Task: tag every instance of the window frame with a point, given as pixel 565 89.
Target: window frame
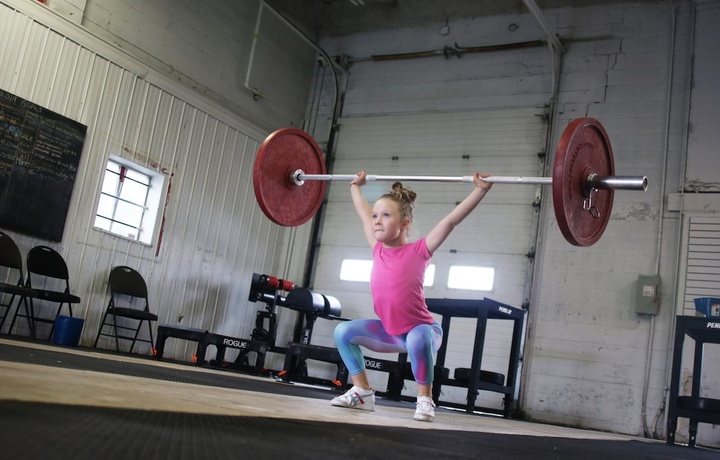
pixel 150 221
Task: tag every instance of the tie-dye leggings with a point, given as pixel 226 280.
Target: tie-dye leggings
pixel 420 344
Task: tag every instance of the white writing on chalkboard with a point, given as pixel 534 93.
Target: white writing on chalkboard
pixel 39 156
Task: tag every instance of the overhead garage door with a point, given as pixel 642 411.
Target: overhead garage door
pixel 499 234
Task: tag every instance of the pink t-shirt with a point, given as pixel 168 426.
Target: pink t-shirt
pixel 396 283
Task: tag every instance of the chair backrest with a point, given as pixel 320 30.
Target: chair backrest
pixel 127 281
pixel 10 256
pixel 45 261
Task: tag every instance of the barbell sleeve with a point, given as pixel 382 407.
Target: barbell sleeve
pixel 617 182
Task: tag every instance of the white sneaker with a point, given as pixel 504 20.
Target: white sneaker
pixel 424 409
pixel 356 398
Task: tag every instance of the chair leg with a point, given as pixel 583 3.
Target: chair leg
pixel 31 320
pixel 117 341
pixel 28 310
pixel 8 310
pixel 57 313
pixel 102 324
pixel 137 332
pixel 152 341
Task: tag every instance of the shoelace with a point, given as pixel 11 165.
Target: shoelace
pixel 425 405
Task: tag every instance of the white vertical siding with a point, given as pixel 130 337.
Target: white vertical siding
pixel 213 235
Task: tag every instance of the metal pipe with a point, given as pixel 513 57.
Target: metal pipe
pixel 593 180
pixel 302 35
pixel 256 92
pixel 552 38
pixel 448 51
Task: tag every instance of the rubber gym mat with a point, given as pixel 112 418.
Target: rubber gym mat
pixel 192 375
pixel 43 430
pixel 32 431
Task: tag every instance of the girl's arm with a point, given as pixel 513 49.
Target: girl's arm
pixel 362 207
pixel 442 230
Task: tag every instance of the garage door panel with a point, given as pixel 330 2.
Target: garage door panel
pixel 498 234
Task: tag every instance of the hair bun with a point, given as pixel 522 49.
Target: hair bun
pixel 403 193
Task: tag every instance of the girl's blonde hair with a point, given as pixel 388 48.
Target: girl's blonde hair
pixel 404 197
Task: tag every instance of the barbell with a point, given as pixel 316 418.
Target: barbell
pixel 289 179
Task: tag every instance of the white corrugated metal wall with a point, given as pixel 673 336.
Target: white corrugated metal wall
pixel 498 234
pixel 214 236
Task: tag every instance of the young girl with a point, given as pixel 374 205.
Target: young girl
pixel 396 283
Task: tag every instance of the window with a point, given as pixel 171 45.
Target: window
pixel 355 270
pixel 129 200
pixel 471 278
pixel 359 270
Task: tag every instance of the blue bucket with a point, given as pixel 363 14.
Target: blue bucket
pixel 67 331
pixel 707 306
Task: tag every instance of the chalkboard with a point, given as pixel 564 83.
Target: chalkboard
pixel 39 156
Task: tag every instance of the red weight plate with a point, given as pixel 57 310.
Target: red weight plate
pixel 283 152
pixel 584 148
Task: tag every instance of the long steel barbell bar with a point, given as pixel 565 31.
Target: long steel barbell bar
pixel 593 181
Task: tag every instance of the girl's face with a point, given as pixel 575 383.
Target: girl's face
pixel 388 227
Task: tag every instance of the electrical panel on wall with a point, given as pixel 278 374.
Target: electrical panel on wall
pixel 648 295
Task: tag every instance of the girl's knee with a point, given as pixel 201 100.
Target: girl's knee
pixel 422 334
pixel 340 331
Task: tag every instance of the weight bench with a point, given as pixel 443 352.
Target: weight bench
pixel 317 353
pixel 191 334
pixel 311 305
pixel 223 342
pixel 398 371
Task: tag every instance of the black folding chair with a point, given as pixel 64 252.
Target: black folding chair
pixel 11 260
pixel 127 285
pixel 47 267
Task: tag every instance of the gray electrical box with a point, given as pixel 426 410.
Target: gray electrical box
pixel 647 301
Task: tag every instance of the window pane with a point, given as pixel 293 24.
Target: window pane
pixel 106 206
pixel 129 214
pixel 355 270
pixel 429 275
pixel 102 223
pixel 114 167
pixel 359 270
pixel 134 192
pixel 137 176
pixel 123 230
pixel 472 278
pixel 110 182
pixel 124 208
